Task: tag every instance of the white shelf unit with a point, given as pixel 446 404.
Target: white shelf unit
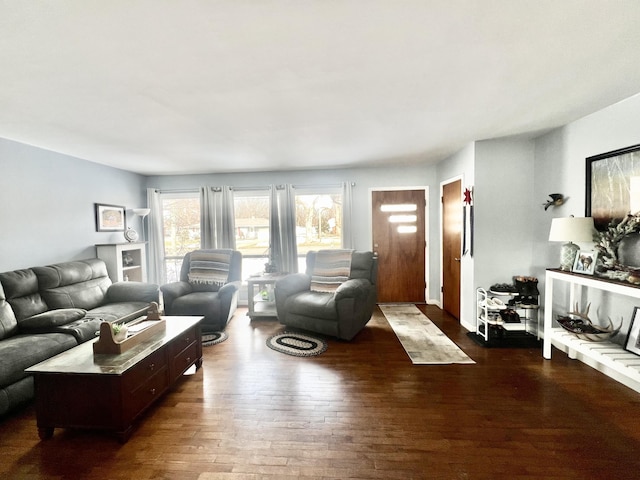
pixel 607 357
pixel 119 270
pixel 528 316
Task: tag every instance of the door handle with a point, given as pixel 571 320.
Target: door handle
pixel 457 259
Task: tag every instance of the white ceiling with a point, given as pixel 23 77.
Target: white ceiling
pixel 195 86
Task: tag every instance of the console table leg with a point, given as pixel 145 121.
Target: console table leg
pixel 45 432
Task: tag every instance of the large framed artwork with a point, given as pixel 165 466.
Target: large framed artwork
pixel 110 218
pixel 613 186
pixel 633 338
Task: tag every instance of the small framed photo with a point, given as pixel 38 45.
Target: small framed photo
pixel 585 262
pixel 633 338
pixel 110 218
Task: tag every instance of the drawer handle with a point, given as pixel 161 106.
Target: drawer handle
pixel 152 391
pixel 188 359
pixel 187 340
pixel 152 366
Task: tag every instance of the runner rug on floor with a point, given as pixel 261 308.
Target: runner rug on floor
pixel 422 340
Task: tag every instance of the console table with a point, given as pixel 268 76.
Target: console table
pixel 608 357
pixel 77 389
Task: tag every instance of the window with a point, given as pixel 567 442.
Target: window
pixel 318 222
pixel 181 229
pixel 251 209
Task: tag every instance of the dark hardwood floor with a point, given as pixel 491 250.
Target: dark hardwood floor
pixel 360 410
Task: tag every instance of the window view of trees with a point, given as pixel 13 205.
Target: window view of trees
pixel 318 226
pixel 318 222
pixel 251 211
pixel 181 225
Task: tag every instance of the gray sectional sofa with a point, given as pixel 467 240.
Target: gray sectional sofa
pixel 47 310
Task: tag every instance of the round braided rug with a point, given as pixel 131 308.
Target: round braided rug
pixel 213 338
pixel 297 344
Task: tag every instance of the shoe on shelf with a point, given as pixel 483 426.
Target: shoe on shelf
pixel 498 303
pixel 493 304
pixel 492 319
pixel 510 316
pixel 503 288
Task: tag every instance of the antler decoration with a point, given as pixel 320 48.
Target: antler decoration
pixel 583 327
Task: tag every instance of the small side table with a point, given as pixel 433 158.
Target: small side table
pixel 261 295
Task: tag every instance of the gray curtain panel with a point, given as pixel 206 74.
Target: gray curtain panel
pixel 217 224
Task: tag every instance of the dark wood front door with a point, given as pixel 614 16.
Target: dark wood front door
pixel 451 246
pixel 398 222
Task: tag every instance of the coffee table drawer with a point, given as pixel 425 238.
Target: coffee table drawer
pixel 183 341
pixel 148 392
pixel 144 370
pixel 183 360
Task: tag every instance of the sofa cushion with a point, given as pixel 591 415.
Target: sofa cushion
pixel 312 304
pixel 8 322
pixel 197 303
pixel 21 290
pixel 80 284
pixel 23 351
pixel 42 322
pixel 123 311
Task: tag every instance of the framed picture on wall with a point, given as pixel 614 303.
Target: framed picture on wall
pixel 612 186
pixel 110 218
pixel 633 339
pixel 585 262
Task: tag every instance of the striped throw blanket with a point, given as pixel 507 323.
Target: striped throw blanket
pixel 209 268
pixel 332 269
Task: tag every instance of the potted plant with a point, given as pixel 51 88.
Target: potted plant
pixel 119 331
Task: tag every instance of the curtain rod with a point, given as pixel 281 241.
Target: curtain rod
pixel 240 189
pixel 333 185
pixel 178 190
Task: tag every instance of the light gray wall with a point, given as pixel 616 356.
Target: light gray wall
pixel 560 167
pixel 503 204
pixel 47 208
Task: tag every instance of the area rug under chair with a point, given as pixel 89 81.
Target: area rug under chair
pixel 213 338
pixel 297 344
pixel 422 340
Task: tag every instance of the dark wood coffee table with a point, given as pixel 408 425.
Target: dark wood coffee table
pixel 77 389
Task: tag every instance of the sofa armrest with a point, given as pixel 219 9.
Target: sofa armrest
pixel 132 292
pixel 292 283
pixel 171 291
pixel 228 289
pixel 287 286
pixel 354 288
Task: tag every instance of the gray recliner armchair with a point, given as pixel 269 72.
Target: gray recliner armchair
pixel 341 313
pixel 208 286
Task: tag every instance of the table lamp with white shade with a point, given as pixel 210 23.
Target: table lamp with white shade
pixel 570 229
pixel 142 213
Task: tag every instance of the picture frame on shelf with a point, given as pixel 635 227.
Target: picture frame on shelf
pixel 612 186
pixel 585 262
pixel 110 218
pixel 633 338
